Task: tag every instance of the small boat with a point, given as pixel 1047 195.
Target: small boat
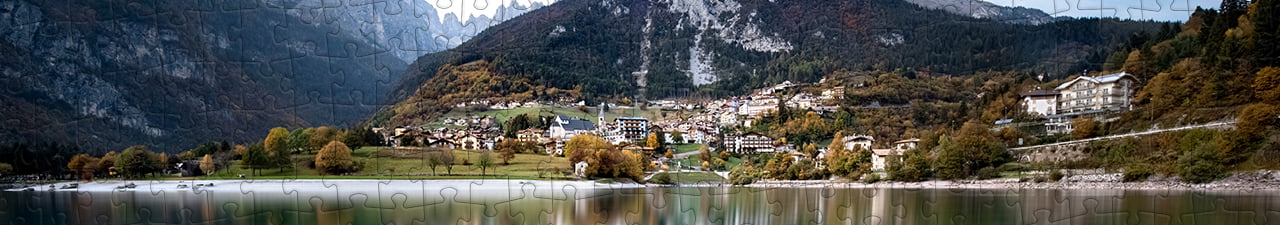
pixel 182 186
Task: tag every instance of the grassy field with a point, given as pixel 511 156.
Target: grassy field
pixel 682 148
pixel 694 160
pixel 695 177
pixel 410 166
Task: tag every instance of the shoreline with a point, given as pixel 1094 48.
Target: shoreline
pixel 1262 180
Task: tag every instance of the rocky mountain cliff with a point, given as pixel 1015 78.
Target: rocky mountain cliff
pixel 666 48
pixel 987 10
pixel 108 74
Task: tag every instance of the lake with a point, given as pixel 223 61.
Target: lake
pixel 507 202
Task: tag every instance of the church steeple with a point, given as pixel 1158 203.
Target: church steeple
pixel 600 120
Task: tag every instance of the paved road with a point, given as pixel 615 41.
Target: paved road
pixel 1231 123
pixel 684 155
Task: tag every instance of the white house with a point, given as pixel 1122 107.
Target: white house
pixel 858 141
pixel 880 158
pixel 1107 92
pixel 1041 102
pixel 750 142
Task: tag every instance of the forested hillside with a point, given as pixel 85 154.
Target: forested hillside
pixel 104 75
pixel 648 49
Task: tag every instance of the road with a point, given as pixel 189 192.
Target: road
pixel 1231 123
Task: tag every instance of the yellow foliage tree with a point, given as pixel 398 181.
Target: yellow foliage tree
pixel 206 164
pixel 581 146
pixel 84 165
pixel 334 158
pixel 1266 85
pixel 277 147
pixel 653 141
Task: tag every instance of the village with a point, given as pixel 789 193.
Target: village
pixel 720 124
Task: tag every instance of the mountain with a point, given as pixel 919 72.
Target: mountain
pixel 105 75
pixel 672 48
pixel 986 10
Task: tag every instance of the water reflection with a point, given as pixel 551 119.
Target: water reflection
pixel 526 204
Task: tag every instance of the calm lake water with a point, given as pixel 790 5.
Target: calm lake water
pixel 651 205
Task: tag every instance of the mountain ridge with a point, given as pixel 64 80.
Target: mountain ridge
pixel 105 75
pixel 657 49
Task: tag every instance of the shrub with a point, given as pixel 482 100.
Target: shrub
pixel 1200 167
pixel 1056 175
pixel 988 173
pixel 1011 167
pixel 661 178
pixel 871 178
pixel 743 175
pixel 1137 172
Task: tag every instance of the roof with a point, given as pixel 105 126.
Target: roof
pixel 855 137
pixel 578 124
pixel 884 152
pixel 907 141
pixel 1038 92
pixel 631 118
pixel 1098 79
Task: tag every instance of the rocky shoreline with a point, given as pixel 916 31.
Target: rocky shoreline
pixel 1266 180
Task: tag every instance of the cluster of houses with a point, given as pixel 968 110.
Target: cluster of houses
pixel 1081 97
pixel 879 157
pixel 742 110
pixel 753 142
pixel 479 132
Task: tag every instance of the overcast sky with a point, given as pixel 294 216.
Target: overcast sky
pixel 1165 10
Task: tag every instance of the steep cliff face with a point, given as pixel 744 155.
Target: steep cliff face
pixel 986 10
pixel 109 74
pixel 669 48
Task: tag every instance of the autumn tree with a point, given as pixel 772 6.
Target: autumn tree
pixel 207 165
pixel 278 153
pixel 484 161
pixel 321 136
pixel 810 150
pixel 1084 127
pixel 507 149
pixel 84 165
pixel 334 158
pixel 653 141
pixel 5 168
pixel 136 161
pixel 1266 85
pixel 580 147
pixel 1255 118
pixel 972 149
pixel 632 166
pixel 107 161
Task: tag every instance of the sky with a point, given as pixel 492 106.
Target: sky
pixel 468 8
pixel 1162 10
